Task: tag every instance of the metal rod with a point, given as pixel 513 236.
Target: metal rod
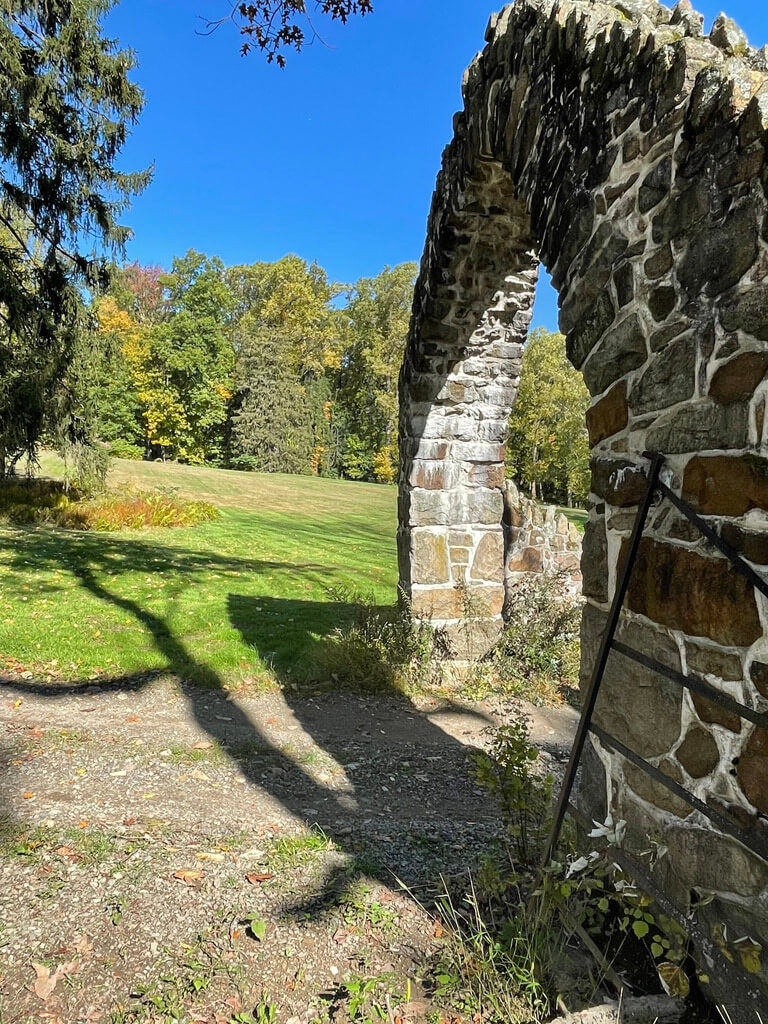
pixel 733 557
pixel 602 658
pixel 759 848
pixel 696 684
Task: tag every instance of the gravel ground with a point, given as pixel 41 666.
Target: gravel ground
pixel 142 829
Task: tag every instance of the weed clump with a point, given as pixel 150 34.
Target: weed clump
pixel 54 502
pixel 537 655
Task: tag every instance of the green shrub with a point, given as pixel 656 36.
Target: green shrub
pixel 384 647
pixel 538 652
pixel 121 449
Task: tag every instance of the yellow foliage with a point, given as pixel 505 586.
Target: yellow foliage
pixel 384 465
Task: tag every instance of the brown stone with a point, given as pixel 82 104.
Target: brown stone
pixel 736 380
pixel 487 475
pixel 700 426
pixel 429 559
pixel 713 661
pixel 438 603
pixel 700 596
pixel 618 481
pixel 488 563
pixel 758 673
pixel 654 792
pixel 428 473
pixel 459 556
pixel 713 714
pixel 527 560
pixel 698 753
pixel 750 544
pixel 609 415
pixel 483 602
pixel 753 770
pixel 721 485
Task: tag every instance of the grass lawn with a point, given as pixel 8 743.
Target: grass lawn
pixel 221 602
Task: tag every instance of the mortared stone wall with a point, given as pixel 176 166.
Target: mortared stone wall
pixel 626 151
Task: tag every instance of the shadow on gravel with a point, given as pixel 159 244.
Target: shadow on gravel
pixel 401 805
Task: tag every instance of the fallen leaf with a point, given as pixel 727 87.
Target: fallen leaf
pixel 147 796
pixel 83 944
pixel 36 731
pixel 202 745
pixel 16 703
pixel 68 853
pixel 46 982
pixel 83 824
pixel 439 931
pixel 133 718
pixel 217 857
pixel 29 796
pixel 257 879
pixel 340 935
pixel 189 877
pixel 129 821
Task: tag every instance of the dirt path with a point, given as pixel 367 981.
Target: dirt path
pixel 143 827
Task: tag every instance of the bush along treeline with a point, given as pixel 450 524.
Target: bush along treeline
pixel 266 367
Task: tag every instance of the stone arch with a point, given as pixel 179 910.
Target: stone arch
pixel 626 152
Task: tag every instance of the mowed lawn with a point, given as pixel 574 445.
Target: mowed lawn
pixel 224 602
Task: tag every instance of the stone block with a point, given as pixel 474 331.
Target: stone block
pixel 750 544
pixel 747 311
pixel 487 475
pixel 527 560
pixel 437 603
pixel 488 562
pixel 714 661
pixel 758 673
pixel 609 415
pixel 670 377
pixel 701 596
pixel 752 769
pixel 712 713
pixel 659 264
pixel 713 862
pixel 637 706
pixel 429 558
pixel 718 255
pixel 459 556
pixel 622 349
pixel 737 380
pixel 700 426
pixel 594 562
pixel 721 485
pixel 654 792
pixel 618 481
pixel 698 753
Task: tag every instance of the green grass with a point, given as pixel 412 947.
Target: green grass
pixel 577 516
pixel 241 599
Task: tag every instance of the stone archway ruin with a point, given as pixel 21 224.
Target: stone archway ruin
pixel 627 152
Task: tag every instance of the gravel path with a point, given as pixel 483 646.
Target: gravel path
pixel 132 820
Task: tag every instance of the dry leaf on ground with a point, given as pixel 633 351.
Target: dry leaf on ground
pixel 256 879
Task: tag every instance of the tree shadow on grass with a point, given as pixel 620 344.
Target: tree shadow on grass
pixel 385 803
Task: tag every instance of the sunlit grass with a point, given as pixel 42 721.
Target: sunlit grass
pixel 228 601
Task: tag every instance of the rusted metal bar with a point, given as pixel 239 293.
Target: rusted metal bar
pixel 657 461
pixel 714 538
pixel 759 848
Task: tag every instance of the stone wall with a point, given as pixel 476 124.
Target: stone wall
pixel 538 539
pixel 627 152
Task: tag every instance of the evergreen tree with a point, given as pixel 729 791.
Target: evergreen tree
pixel 271 421
pixel 65 106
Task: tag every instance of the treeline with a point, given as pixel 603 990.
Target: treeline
pixel 265 366
pixel 273 368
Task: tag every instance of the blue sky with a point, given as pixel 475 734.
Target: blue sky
pixel 333 158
